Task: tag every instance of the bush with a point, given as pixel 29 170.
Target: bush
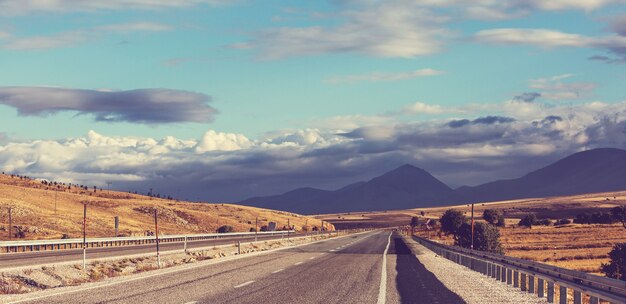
pixel 501 222
pixel 595 218
pixel 486 237
pixel 616 268
pixel 263 228
pixel 543 222
pixel 451 221
pixel 528 220
pixel 619 214
pixel 225 229
pixel 491 216
pixel 414 222
pixel 563 222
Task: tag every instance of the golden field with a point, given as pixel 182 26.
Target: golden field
pixel 33 209
pixel 574 246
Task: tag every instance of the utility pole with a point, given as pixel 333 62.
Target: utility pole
pixel 85 235
pixel 306 227
pixel 472 245
pixel 156 233
pixel 109 186
pixel 288 228
pixel 55 203
pixel 117 225
pixel 10 225
pixel 256 228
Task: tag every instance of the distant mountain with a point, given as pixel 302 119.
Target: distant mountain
pixel 597 170
pixel 402 188
pixel 406 187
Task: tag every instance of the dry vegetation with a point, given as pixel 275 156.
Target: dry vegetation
pixel 573 246
pixel 33 211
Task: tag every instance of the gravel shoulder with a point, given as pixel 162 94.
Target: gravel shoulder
pixel 472 286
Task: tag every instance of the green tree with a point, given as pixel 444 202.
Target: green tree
pixel 486 237
pixel 491 216
pixel 225 229
pixel 616 268
pixel 414 222
pixel 619 214
pixel 501 222
pixel 451 221
pixel 528 220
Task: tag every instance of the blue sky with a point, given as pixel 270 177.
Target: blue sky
pixel 276 88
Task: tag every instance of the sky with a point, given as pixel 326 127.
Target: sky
pixel 221 100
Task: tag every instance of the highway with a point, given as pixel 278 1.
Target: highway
pixel 12 260
pixel 339 270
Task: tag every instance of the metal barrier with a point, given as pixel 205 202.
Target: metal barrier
pixel 533 277
pixel 42 245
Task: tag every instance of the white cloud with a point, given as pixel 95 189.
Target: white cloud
pixel 77 37
pixel 137 27
pixel 219 141
pixel 385 29
pixel 540 37
pixel 422 108
pixel 554 88
pixel 383 76
pixel 545 38
pixel 228 166
pixel 19 7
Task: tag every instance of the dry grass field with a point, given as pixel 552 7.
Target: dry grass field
pixel 573 246
pixel 33 210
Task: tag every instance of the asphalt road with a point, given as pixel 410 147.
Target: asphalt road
pixel 342 270
pixel 11 260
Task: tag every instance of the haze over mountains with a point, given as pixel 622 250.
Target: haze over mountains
pixel 597 170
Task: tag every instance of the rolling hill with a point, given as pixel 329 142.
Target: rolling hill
pixel 51 211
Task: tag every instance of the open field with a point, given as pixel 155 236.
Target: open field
pixel 573 246
pixel 33 211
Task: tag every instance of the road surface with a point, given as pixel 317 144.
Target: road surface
pixel 12 260
pixel 339 270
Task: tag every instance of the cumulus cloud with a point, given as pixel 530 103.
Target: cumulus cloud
pixel 382 76
pixel 384 29
pixel 221 166
pixel 136 106
pixel 423 108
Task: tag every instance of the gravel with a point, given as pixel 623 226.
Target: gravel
pixel 472 286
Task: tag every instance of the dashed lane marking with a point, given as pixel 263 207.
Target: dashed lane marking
pixel 244 284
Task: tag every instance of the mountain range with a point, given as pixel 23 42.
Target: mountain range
pixel 597 170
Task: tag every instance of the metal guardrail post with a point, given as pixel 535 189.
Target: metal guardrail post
pixel 562 295
pixel 509 276
pixel 550 292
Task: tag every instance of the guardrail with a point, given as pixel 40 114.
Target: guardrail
pixel 60 244
pixel 533 277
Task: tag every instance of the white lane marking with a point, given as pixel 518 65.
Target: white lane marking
pixel 244 284
pixel 311 258
pixel 332 250
pixel 277 271
pixel 382 291
pixel 192 302
pixel 298 263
